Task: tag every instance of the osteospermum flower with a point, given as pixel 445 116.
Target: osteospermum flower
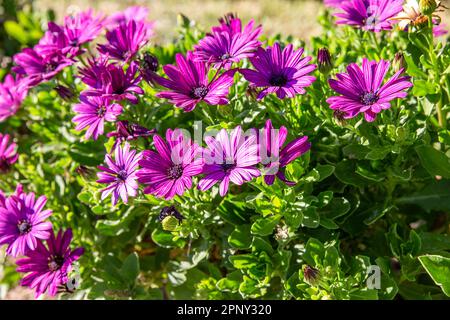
pixel 92 113
pixel 278 71
pixel 92 73
pixel 125 41
pixel 223 48
pixel 8 153
pixel 22 223
pixel 229 158
pixel 362 90
pixel 410 16
pixel 12 93
pixel 39 68
pixel 274 160
pixel 189 85
pixel 82 28
pixel 371 15
pixel 120 175
pixel 115 83
pixel 133 13
pixel 169 170
pixel 49 266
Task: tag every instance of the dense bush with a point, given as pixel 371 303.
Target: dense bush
pixel 358 179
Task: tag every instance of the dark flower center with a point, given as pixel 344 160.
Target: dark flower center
pixel 50 66
pixel 278 80
pixel 225 56
pixel 150 62
pixel 122 175
pixel 101 111
pixel 175 171
pixel 24 226
pixel 369 98
pixel 199 92
pixel 227 167
pixel 55 263
pixel 4 165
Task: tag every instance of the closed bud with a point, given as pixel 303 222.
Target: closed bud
pixel 339 117
pixel 310 274
pixel 148 66
pixel 170 212
pixel 64 92
pixel 399 62
pixel 324 61
pixel 427 7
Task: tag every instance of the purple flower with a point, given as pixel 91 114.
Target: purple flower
pixel 39 68
pixel 283 72
pixel 271 141
pixel 169 171
pixel 224 48
pixel 229 158
pixel 22 222
pixel 92 112
pixel 8 153
pixel 371 15
pixel 126 131
pixel 148 66
pixel 92 74
pixel 49 266
pixel 115 83
pixel 189 84
pixel 135 13
pixel 82 28
pixel 12 93
pixel 125 41
pixel 54 42
pixel 120 175
pixel 361 89
pixel 439 29
pixel 230 24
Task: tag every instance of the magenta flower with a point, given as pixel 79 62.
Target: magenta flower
pixel 48 267
pixel 440 30
pixel 92 74
pixel 12 93
pixel 361 89
pixel 224 48
pixel 189 84
pixel 271 141
pixel 125 41
pixel 134 13
pixel 22 222
pixel 8 153
pixel 116 83
pixel 54 42
pixel 229 158
pixel 82 28
pixel 169 171
pixel 370 15
pixel 282 72
pixel 92 112
pixel 120 175
pixel 230 24
pixel 39 68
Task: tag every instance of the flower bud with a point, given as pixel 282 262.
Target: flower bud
pixel 64 92
pixel 170 212
pixel 324 61
pixel 427 7
pixel 339 117
pixel 170 223
pixel 399 62
pixel 310 274
pixel 148 66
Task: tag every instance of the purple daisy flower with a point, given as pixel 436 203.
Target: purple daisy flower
pixel 126 131
pixel 48 267
pixel 54 42
pixel 271 141
pixel 8 153
pixel 230 24
pixel 283 72
pixel 92 74
pixel 39 68
pixel 371 15
pixel 361 89
pixel 135 13
pixel 12 93
pixel 229 158
pixel 116 83
pixel 82 28
pixel 22 222
pixel 224 48
pixel 120 174
pixel 169 171
pixel 189 84
pixel 125 41
pixel 92 112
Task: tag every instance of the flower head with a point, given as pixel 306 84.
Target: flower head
pixel 229 158
pixel 148 66
pixel 222 48
pixel 370 15
pixel 133 13
pixel 8 153
pixel 92 74
pixel 410 16
pixel 169 170
pixel 120 175
pixel 49 266
pixel 324 61
pixel 82 27
pixel 126 131
pixel 22 222
pixel 362 90
pixel 92 113
pixel 189 85
pixel 274 160
pixel 170 212
pixel 125 41
pixel 12 93
pixel 283 72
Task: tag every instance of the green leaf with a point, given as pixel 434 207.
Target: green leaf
pixel 15 30
pixel 265 226
pixel 311 218
pixel 325 171
pixel 166 239
pixel 240 238
pixel 345 172
pixel 435 196
pixel 130 268
pixel 434 161
pixel 243 261
pixel 438 268
pixel 314 252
